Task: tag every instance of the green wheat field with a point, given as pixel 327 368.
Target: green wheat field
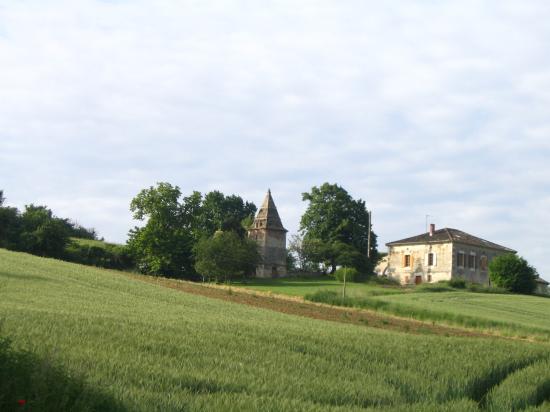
pixel 78 338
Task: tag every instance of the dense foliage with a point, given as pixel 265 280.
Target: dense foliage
pixel 150 348
pixel 226 256
pixel 513 273
pixel 175 224
pixel 99 253
pixel 335 229
pixel 38 231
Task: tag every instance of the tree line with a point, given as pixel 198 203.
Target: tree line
pixel 201 236
pixel 36 230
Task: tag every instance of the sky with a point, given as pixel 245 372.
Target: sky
pixel 438 108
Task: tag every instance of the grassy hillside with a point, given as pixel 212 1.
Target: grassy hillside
pixel 517 315
pixel 121 344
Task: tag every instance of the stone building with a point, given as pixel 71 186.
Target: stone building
pixel 441 255
pixel 270 234
pixel 542 286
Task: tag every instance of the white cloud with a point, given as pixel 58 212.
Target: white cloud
pixel 419 107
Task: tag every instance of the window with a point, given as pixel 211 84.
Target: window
pixel 429 278
pixel 407 261
pixel 460 261
pixel 483 262
pixel 430 259
pixel 472 261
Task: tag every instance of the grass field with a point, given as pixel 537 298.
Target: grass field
pixel 116 343
pixel 301 286
pixel 517 315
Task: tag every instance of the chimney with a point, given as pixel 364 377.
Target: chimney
pixel 432 229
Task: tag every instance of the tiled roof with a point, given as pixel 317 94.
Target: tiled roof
pixel 449 235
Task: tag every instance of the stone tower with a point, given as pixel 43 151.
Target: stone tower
pixel 270 234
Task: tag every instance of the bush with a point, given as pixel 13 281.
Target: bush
pixel 479 288
pixel 384 280
pixel 98 253
pixel 350 274
pixel 513 273
pixel 457 283
pixel 225 256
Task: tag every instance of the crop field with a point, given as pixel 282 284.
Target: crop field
pixel 516 315
pixel 81 338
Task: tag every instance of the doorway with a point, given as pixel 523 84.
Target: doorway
pixel 417 280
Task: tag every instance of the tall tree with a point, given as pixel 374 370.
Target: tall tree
pixel 163 246
pixel 220 212
pixel 173 225
pixel 341 224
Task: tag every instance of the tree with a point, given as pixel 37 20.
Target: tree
pixel 335 219
pixel 10 226
pixel 226 256
pixel 163 246
pixel 2 198
pixel 220 212
pixel 42 233
pixel 513 273
pixel 50 239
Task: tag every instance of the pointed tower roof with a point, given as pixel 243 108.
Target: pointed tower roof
pixel 268 214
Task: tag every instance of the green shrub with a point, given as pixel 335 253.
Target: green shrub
pixel 350 274
pixel 513 273
pixel 384 280
pixel 479 288
pixel 98 253
pixel 457 283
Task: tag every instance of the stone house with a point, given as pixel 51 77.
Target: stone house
pixel 268 231
pixel 542 286
pixel 443 254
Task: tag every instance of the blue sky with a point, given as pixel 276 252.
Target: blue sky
pixel 418 107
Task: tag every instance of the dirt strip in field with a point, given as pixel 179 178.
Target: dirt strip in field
pixel 293 305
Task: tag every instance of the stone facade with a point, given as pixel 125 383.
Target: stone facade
pixel 270 234
pixel 442 255
pixel 542 287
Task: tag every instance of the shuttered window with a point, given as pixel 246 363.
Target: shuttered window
pixel 460 260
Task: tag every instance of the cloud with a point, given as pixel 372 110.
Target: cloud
pixel 419 108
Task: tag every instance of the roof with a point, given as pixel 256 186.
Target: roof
pixel 449 235
pixel 268 215
pixel 541 281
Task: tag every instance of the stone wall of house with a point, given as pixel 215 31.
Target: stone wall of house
pixel 475 266
pixel 447 263
pixel 419 270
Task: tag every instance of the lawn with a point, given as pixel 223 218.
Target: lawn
pixel 84 338
pixel 301 286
